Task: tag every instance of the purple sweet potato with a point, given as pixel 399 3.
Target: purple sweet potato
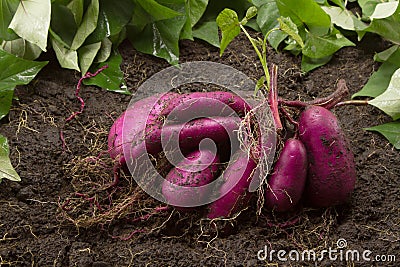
pixel 135 117
pixel 184 184
pixel 209 104
pixel 234 190
pixel 331 171
pixel 218 129
pixel 286 183
pixel 144 121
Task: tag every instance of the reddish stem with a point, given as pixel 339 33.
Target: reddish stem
pixel 273 97
pixel 78 89
pixel 62 138
pixel 65 204
pixel 288 117
pixel 327 102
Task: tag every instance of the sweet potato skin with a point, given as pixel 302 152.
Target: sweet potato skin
pixel 199 168
pixel 286 183
pixel 234 191
pixel 331 171
pixel 135 117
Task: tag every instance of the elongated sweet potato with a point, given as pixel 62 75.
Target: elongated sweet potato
pixel 286 183
pixel 331 172
pixel 234 190
pixel 183 185
pixel 209 104
pixel 135 117
pixel 144 121
pixel 218 129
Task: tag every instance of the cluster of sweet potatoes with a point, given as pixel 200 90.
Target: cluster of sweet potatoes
pixel 315 165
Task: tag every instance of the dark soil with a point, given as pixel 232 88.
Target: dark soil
pixel 35 232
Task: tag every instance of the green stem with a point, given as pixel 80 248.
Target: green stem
pixel 260 56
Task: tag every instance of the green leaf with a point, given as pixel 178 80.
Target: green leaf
pixel 67 58
pixel 339 3
pixel 387 27
pixel 308 64
pixel 6 169
pixel 186 32
pixel 389 101
pixel 260 83
pixel 105 50
pixel 7 11
pixel 196 10
pixel 113 17
pixel 368 7
pixel 207 31
pixel 65 28
pixel 250 13
pixel 87 54
pixel 76 7
pixel 32 21
pixel 323 46
pixel 287 26
pixel 384 10
pixel 157 11
pixel 22 49
pixel 306 12
pixel 160 38
pixel 390 130
pixel 267 19
pixel 344 18
pixel 88 25
pixel 6 96
pixel 112 78
pixel 14 71
pixel 386 54
pixel 378 82
pixel 228 22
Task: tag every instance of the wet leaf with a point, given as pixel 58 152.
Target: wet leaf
pixel 207 31
pixel 32 21
pixel 391 131
pixel 112 78
pixel 87 54
pixel 88 25
pixel 7 11
pixel 323 46
pixel 306 12
pixel 14 71
pixel 66 57
pixel 228 22
pixel 267 17
pixel 6 169
pixel 389 101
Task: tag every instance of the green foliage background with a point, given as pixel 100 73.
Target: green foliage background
pixel 85 35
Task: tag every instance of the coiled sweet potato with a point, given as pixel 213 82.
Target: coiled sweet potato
pixel 184 184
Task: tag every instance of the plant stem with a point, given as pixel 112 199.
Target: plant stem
pixel 273 97
pixel 261 56
pixel 328 102
pixel 288 117
pixel 352 102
